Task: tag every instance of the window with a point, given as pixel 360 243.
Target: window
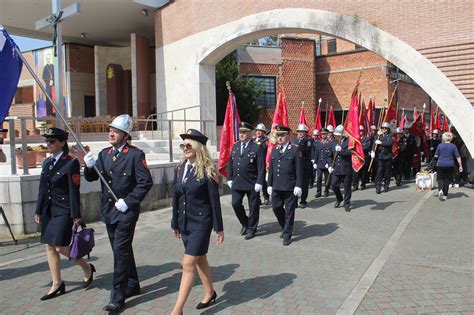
pixel 332 46
pixel 268 98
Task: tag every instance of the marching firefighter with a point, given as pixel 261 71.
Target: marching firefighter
pixel 305 147
pixel 382 151
pixel 341 169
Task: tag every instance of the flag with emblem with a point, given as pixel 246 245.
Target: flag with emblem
pixel 10 70
pixel 229 133
pixel 280 117
pixel 352 129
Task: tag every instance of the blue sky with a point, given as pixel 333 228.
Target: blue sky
pixel 26 43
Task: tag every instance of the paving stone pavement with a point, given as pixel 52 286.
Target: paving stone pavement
pixel 331 251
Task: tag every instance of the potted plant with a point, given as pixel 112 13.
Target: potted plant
pixel 41 153
pixel 31 157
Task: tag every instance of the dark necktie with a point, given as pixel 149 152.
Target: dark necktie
pixel 188 172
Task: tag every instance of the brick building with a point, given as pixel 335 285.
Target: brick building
pixel 311 66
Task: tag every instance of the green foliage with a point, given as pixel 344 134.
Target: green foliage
pixel 245 90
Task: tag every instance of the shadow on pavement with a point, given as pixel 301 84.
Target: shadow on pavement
pixel 376 205
pixel 457 195
pixel 242 291
pixel 170 284
pixel 303 231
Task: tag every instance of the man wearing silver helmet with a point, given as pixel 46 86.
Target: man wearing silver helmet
pixel 382 151
pixel 261 139
pixel 125 169
pixel 305 150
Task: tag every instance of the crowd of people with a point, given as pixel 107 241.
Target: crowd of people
pixel 284 180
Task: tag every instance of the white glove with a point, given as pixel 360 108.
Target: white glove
pixel 330 169
pixel 312 161
pixel 258 188
pixel 415 155
pixel 89 160
pixel 229 183
pixel 422 153
pixel 297 191
pixel 431 149
pixel 269 190
pixel 372 154
pixel 326 166
pixel 378 141
pixel 338 148
pixel 121 206
pixel 315 166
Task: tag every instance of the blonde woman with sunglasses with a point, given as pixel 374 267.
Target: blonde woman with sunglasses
pixel 196 211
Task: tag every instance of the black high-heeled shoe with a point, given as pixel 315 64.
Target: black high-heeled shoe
pixel 208 303
pixel 59 291
pixel 85 284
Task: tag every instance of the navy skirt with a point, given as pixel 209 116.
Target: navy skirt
pixel 196 243
pixel 56 231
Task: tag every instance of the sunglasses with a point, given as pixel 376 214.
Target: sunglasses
pixel 186 146
pixel 51 141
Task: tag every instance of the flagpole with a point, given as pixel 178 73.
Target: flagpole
pixel 58 112
pixel 326 118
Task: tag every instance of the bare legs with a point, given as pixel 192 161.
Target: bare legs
pixel 190 265
pixel 52 254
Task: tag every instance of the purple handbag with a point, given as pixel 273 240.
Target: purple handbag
pixel 82 242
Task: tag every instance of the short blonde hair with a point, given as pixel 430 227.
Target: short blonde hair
pixel 447 137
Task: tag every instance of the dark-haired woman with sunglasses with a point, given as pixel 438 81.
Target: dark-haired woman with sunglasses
pixel 196 211
pixel 58 208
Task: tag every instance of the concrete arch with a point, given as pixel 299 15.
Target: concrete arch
pixel 203 50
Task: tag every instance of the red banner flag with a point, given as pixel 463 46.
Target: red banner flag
pixel 280 117
pixel 302 119
pixel 432 121
pixel 403 120
pixel 391 114
pixel 317 120
pixel 438 119
pixel 417 128
pixel 352 129
pixel 229 134
pixel 445 123
pixel 371 113
pixel 331 119
pixel 363 116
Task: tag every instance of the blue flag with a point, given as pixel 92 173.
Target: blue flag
pixel 10 69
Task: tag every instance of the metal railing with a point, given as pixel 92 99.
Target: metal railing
pixel 160 119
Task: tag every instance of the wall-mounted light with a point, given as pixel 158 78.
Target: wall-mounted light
pixel 84 35
pixel 144 12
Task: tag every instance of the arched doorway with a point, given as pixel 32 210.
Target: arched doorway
pixel 191 60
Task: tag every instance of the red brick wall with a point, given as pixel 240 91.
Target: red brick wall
pixel 79 58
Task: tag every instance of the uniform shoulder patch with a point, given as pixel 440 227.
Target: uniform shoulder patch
pixel 76 179
pixel 144 163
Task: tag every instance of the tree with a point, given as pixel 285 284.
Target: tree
pixel 245 90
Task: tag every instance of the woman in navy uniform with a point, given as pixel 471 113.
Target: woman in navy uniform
pixel 58 208
pixel 196 211
pixel 125 169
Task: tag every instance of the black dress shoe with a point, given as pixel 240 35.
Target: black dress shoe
pixel 113 307
pixel 286 241
pixel 318 195
pixel 337 204
pixel 249 236
pixel 303 205
pixel 59 291
pixel 85 284
pixel 348 208
pixel 385 189
pixel 132 292
pixel 326 193
pixel 211 301
pixel 378 191
pixel 243 230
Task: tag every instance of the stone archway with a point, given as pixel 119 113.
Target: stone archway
pixel 191 60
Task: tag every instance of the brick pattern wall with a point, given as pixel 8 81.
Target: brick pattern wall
pixel 22 110
pixel 79 58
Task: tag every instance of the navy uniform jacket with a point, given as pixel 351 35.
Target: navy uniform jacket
pixel 305 147
pixel 59 188
pixel 322 153
pixel 366 145
pixel 343 163
pixel 196 203
pixel 406 145
pixel 263 142
pixel 434 144
pixel 129 178
pixel 248 168
pixel 384 150
pixel 286 170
